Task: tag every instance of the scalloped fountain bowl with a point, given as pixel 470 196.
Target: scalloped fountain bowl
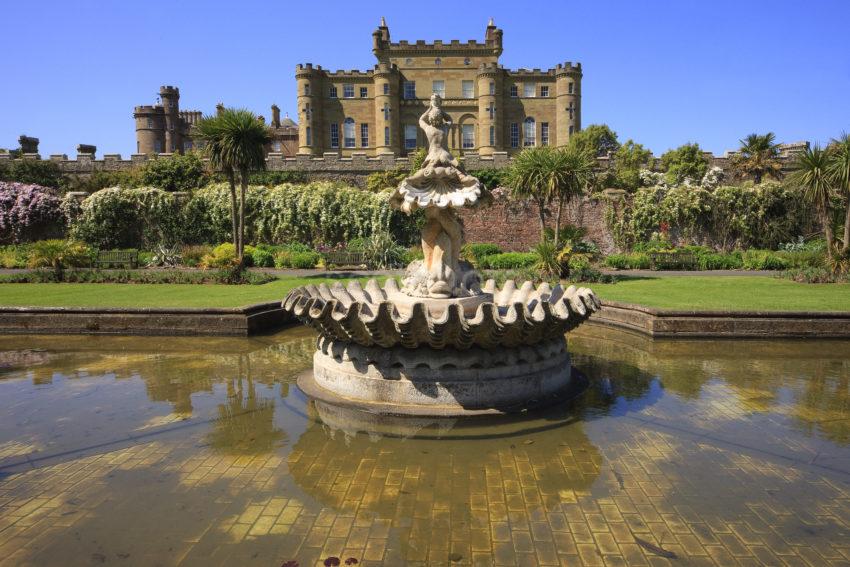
pixel 500 351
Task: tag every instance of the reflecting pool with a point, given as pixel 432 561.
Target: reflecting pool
pixel 196 451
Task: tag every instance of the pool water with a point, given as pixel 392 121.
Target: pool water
pixel 196 451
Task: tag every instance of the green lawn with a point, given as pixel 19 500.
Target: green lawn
pixel 734 293
pixel 722 293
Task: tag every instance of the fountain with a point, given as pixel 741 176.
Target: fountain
pixel 441 344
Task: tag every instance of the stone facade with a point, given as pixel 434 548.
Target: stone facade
pixel 164 128
pixel 493 109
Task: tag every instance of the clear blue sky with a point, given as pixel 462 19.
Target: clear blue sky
pixel 661 72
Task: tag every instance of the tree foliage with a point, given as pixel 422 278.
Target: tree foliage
pixel 687 162
pixel 598 139
pixel 757 157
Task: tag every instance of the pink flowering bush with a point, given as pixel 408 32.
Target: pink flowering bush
pixel 26 211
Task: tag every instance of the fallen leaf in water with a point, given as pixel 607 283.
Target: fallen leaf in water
pixel 660 551
pixel 351 561
pixel 331 561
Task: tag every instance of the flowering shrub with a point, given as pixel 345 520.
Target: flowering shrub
pixel 25 210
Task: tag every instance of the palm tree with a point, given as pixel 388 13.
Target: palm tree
pixel 759 156
pixel 527 178
pixel 570 170
pixel 839 173
pixel 811 174
pixel 236 143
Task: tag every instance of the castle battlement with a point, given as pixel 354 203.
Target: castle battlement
pixel 149 109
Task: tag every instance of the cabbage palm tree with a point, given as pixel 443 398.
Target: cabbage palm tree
pixel 811 174
pixel 839 172
pixel 235 142
pixel 570 170
pixel 759 156
pixel 527 179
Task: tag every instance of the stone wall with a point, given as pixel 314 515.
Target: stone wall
pixel 514 225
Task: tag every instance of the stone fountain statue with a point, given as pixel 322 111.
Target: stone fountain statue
pixel 441 344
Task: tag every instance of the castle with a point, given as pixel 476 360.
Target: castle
pixel 164 128
pixel 493 109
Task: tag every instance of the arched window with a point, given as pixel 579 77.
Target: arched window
pixel 348 133
pixel 529 132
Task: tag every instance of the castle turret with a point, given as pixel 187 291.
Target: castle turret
pixel 489 108
pixel 568 100
pixel 170 97
pixel 381 41
pixel 386 81
pixel 309 108
pixel 493 37
pixel 150 129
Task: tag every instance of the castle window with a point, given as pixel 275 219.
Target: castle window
pixel 187 145
pixel 386 135
pixel 386 88
pixel 544 133
pixel 150 123
pixel 492 110
pixel 570 88
pixel 467 89
pixel 157 146
pixel 348 133
pixel 334 135
pixel 492 88
pixel 307 89
pixel 347 91
pixel 309 136
pixel 439 88
pixel 544 91
pixel 529 134
pixel 492 135
pixel 409 90
pixel 514 135
pixel 571 109
pixel 468 136
pixel 386 112
pixel 138 147
pixel 514 92
pixel 529 90
pixel 410 136
pixel 332 91
pixel 364 135
pixel 571 130
pixel 466 61
pixel 438 61
pixel 364 92
pixel 276 146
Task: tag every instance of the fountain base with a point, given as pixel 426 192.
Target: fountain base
pixel 445 382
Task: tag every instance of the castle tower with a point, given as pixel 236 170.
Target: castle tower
pixel 171 105
pixel 490 110
pixel 387 130
pixel 309 80
pixel 568 100
pixel 150 129
pixel 381 41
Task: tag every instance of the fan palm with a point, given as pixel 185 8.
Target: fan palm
pixel 812 176
pixel 839 173
pixel 235 143
pixel 759 156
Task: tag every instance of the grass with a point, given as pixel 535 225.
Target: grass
pixel 727 293
pixel 713 293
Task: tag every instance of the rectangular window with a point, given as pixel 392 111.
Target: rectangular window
pixel 530 133
pixel 571 130
pixel 307 89
pixel 150 123
pixel 492 110
pixel 514 135
pixel 364 92
pixel 544 91
pixel 467 89
pixel 492 88
pixel 529 90
pixel 332 91
pixel 347 91
pixel 309 136
pixel 439 88
pixel 409 90
pixel 157 146
pixel 514 91
pixel 544 133
pixel 348 133
pixel 364 135
pixel 386 88
pixel 468 136
pixel 492 135
pixel 410 136
pixel 276 146
pixel 386 112
pixel 187 145
pixel 386 135
pixel 334 135
pixel 570 88
pixel 572 109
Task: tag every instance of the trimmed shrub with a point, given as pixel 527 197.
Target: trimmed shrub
pixel 263 257
pixel 712 261
pixel 474 252
pixel 633 261
pixel 509 260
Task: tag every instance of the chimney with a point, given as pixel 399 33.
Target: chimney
pixel 275 116
pixel 219 109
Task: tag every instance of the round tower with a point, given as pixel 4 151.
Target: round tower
pixel 309 81
pixel 489 108
pixel 568 89
pixel 170 97
pixel 387 131
pixel 150 129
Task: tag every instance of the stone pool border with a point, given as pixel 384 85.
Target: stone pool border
pixel 235 322
pixel 723 324
pixel 263 317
